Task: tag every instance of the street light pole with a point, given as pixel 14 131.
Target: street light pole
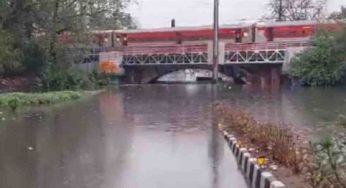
pixel 216 42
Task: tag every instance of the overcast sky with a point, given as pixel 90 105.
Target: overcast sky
pixel 158 13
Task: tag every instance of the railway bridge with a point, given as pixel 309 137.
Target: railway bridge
pixel 253 52
pixel 257 63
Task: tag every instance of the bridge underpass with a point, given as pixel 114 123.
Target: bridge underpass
pixel 249 63
pixel 262 74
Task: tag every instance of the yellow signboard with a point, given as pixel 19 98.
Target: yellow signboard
pixel 110 63
pixel 109 67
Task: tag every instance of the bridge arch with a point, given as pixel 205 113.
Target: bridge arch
pixel 183 75
pixel 150 74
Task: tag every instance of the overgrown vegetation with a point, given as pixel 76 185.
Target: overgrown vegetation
pixel 10 57
pixel 57 79
pixel 275 141
pixel 323 164
pixel 328 165
pixel 324 64
pixel 16 100
pixel 321 65
pixel 37 36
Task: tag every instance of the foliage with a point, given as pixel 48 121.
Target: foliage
pixel 275 141
pixel 330 163
pixel 10 57
pixel 114 17
pixel 34 57
pixel 36 27
pixel 323 164
pixel 321 65
pixel 55 78
pixel 338 15
pixel 100 79
pixel 291 10
pixel 16 100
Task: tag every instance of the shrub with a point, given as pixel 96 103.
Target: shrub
pixel 54 78
pixel 276 141
pixel 323 163
pixel 329 169
pixel 320 65
pixel 10 57
pixel 16 100
pixel 34 56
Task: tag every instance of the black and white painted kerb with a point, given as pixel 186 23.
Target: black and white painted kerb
pixel 256 177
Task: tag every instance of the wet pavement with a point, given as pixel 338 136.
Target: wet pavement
pixel 137 136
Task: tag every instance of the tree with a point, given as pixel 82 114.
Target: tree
pixel 339 15
pixel 10 57
pixel 321 65
pixel 77 18
pixel 37 24
pixel 113 17
pixel 291 10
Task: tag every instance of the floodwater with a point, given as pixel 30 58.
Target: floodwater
pixel 315 112
pixel 149 136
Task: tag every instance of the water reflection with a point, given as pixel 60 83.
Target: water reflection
pixel 216 152
pixel 311 110
pixel 141 136
pixel 146 136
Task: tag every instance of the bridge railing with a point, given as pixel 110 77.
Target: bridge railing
pixel 265 46
pixel 274 52
pixel 160 55
pixel 174 49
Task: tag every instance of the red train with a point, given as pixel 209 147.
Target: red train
pixel 240 33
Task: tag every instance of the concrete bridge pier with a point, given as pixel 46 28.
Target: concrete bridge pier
pixel 265 76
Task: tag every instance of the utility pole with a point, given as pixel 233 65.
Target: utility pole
pixel 216 42
pixel 280 11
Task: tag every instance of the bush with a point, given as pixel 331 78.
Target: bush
pixel 34 56
pixel 54 78
pixel 100 79
pixel 277 142
pixel 329 169
pixel 16 100
pixel 320 65
pixel 10 57
pixel 323 164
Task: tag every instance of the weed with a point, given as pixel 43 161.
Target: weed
pixel 16 100
pixel 323 163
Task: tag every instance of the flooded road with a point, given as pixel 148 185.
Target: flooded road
pixel 148 136
pixel 138 136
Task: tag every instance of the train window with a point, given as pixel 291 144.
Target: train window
pixel 238 36
pixel 125 40
pixel 270 34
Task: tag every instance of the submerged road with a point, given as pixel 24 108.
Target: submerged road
pixel 154 136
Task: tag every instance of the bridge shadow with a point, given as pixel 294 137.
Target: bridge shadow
pixel 139 74
pixel 254 74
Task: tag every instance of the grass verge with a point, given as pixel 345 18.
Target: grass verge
pixel 16 100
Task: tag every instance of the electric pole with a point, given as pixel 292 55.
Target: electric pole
pixel 216 42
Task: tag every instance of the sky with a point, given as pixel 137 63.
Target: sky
pixel 158 13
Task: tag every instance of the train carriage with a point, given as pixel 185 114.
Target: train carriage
pixel 259 42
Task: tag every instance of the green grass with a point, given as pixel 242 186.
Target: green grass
pixel 15 100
